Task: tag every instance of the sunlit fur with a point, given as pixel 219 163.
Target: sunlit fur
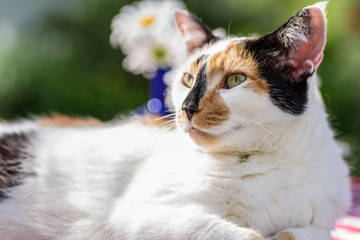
pixel 242 168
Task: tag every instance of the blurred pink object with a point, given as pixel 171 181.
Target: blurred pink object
pixel 348 228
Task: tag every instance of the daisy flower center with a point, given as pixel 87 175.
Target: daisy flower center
pixel 160 54
pixel 147 21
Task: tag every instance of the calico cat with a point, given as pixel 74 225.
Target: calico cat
pixel 252 156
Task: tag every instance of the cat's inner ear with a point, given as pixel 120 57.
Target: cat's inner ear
pixel 303 37
pixel 194 33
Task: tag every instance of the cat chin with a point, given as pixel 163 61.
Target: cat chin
pixel 203 139
pixel 206 139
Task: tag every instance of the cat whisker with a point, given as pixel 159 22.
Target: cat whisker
pixel 266 128
pixel 169 124
pixel 233 133
pixel 171 115
pixel 263 127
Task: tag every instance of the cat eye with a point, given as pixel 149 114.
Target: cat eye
pixel 188 80
pixel 235 80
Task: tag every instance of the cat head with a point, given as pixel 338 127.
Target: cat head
pixel 235 89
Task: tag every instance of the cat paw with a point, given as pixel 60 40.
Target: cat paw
pixel 282 236
pixel 285 236
pixel 230 231
pixel 254 236
pixel 249 234
pixel 307 232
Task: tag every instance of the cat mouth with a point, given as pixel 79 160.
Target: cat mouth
pixel 201 133
pixel 203 138
pixel 206 139
pixel 216 133
pixel 194 130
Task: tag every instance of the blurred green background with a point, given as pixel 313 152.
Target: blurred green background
pixel 55 56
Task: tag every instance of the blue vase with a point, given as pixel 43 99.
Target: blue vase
pixel 156 104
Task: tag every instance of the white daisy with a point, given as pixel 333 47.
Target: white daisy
pixel 159 52
pixel 146 33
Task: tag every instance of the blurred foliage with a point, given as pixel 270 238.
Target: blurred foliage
pixel 63 62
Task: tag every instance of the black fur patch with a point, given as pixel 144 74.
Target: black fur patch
pixel 269 51
pixel 13 152
pixel 191 103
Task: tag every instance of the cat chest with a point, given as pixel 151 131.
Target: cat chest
pixel 266 201
pixel 255 204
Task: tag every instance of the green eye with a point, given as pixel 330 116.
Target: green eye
pixel 188 80
pixel 235 80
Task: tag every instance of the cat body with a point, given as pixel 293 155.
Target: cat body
pixel 252 157
pixel 89 196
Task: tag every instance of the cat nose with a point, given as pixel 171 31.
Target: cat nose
pixel 189 108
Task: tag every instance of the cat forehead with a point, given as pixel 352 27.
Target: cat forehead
pixel 224 55
pixel 228 56
pixel 220 45
pixel 216 47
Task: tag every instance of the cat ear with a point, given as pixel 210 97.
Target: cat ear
pixel 302 38
pixel 194 33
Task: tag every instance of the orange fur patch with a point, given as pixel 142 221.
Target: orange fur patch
pixel 236 59
pixel 285 236
pixel 213 111
pixel 195 65
pixel 59 120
